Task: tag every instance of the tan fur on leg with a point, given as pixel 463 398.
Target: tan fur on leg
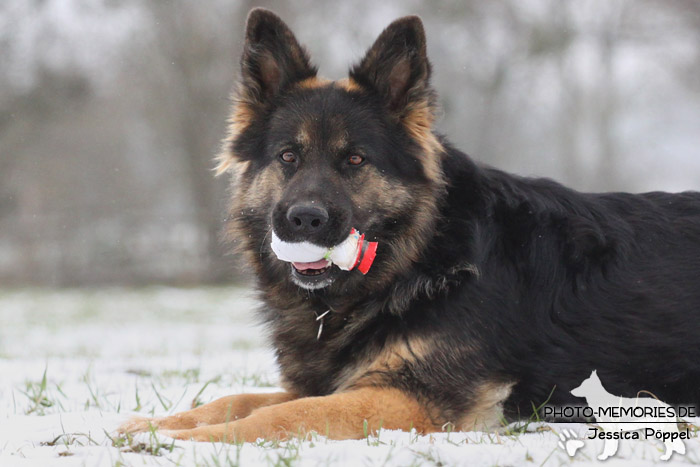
pixel 338 416
pixel 228 408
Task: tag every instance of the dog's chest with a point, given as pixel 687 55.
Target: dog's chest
pixel 318 356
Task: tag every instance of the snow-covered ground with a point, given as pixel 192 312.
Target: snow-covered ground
pixel 76 363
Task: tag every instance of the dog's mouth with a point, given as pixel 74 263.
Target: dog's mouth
pixel 314 268
pixel 314 275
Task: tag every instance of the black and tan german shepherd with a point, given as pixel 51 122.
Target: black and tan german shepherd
pixel 489 293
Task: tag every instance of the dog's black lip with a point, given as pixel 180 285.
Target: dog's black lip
pixel 316 273
pixel 312 279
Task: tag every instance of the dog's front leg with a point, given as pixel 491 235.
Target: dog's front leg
pixel 346 415
pixel 225 409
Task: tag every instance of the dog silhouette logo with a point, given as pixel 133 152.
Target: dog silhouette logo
pixel 626 418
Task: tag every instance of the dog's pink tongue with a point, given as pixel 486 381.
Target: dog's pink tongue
pixel 320 264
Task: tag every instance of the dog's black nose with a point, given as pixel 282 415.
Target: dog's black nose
pixel 306 219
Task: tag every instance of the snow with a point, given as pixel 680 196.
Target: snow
pixel 111 353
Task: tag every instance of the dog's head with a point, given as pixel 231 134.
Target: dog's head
pixel 314 158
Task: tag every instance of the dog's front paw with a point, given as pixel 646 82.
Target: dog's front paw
pixel 224 432
pixel 181 421
pixel 196 434
pixel 138 425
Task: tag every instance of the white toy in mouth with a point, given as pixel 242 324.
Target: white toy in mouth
pixel 352 252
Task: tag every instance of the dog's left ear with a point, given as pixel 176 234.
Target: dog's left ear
pixel 396 66
pixel 397 70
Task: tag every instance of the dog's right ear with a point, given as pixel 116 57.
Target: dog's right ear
pixel 272 58
pixel 272 61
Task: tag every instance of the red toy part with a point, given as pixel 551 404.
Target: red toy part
pixel 359 250
pixel 368 257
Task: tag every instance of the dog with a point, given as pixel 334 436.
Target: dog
pixel 489 293
pixel 598 398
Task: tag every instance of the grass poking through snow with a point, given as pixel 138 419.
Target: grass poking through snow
pixel 76 363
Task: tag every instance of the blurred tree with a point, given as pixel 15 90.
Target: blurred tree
pixel 111 112
pixel 196 46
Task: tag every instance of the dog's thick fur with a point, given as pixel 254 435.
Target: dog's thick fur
pixel 489 291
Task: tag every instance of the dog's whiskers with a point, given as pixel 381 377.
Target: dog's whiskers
pixel 320 324
pixel 262 244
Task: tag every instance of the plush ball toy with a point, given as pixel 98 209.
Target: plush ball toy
pixel 352 252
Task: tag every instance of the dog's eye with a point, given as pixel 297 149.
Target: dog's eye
pixel 356 159
pixel 288 157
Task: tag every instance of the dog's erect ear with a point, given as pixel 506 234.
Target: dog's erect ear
pixel 272 57
pixel 397 66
